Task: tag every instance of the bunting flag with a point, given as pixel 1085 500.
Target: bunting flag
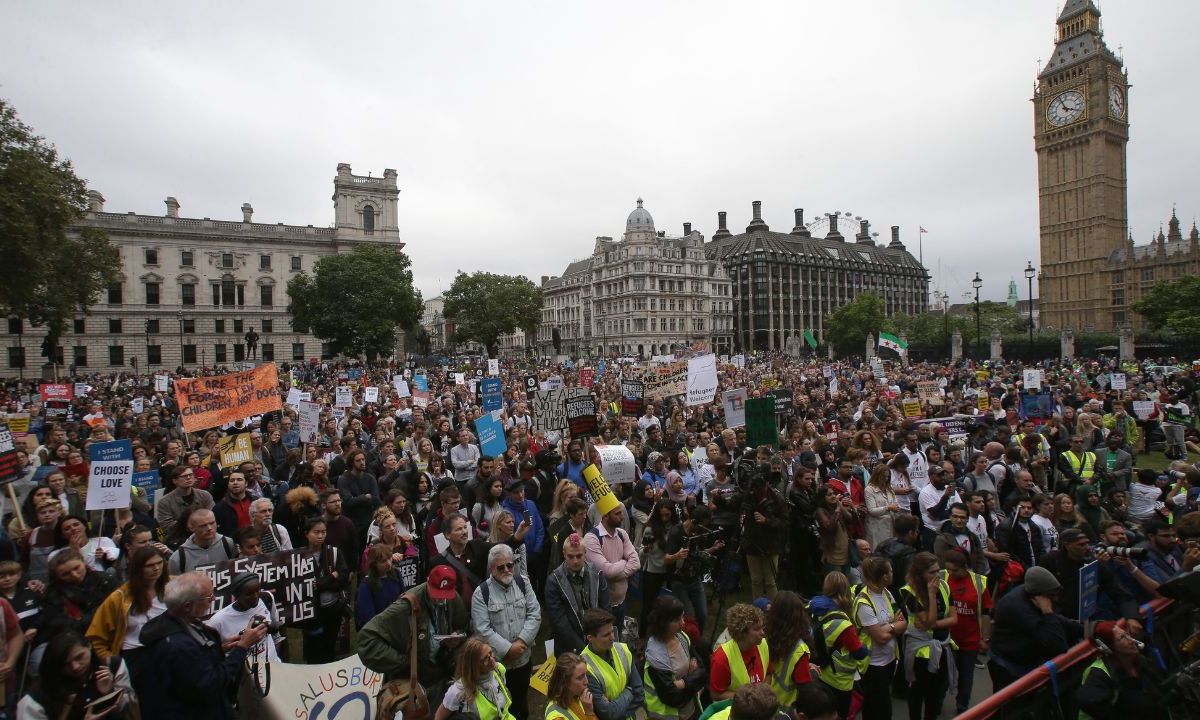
pixel 810 339
pixel 891 342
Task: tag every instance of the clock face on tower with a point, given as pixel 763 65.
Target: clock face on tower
pixel 1065 108
pixel 1116 101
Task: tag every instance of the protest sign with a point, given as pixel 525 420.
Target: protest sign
pixel 600 491
pixel 1118 381
pixel 930 392
pixel 110 474
pixel 985 403
pixel 217 400
pixel 550 408
pixel 493 366
pixel 555 382
pixel 666 380
pixel 738 361
pixel 1089 590
pixel 617 463
pixel 958 426
pixel 493 394
pixel 768 382
pixel 59 391
pixel 834 387
pixel 18 424
pixel 354 373
pixel 633 396
pixel 289 575
pixel 1143 409
pixel 761 425
pixel 912 408
pixel 342 689
pixel 371 395
pixel 148 482
pixel 581 416
pixel 310 421
pixel 401 386
pixel 531 386
pixel 235 450
pixel 162 383
pixel 587 377
pixel 701 379
pixel 827 371
pixel 293 397
pixel 343 396
pixel 540 680
pixel 82 389
pixel 1037 406
pixel 1176 416
pixel 1031 379
pixel 490 429
pixel 734 403
pixel 421 382
pixel 10 467
pixel 783 401
pixel 421 398
pixel 460 378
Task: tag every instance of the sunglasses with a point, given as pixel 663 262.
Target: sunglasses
pixel 505 566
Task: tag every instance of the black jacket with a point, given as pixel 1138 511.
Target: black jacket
pixel 192 679
pixel 1024 637
pixel 565 614
pixel 1025 549
pixel 770 537
pixel 1067 572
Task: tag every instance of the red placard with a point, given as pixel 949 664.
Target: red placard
pixel 60 391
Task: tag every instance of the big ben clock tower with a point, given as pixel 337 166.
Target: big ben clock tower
pixel 1081 124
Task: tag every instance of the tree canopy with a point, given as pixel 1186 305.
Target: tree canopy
pixel 934 328
pixel 1172 306
pixel 54 270
pixel 847 328
pixel 356 300
pixel 483 306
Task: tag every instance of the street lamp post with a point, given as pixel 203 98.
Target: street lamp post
pixel 1029 273
pixel 977 283
pixel 945 298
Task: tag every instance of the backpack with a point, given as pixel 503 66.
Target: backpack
pixel 230 553
pixel 487 594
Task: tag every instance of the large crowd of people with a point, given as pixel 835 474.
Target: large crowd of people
pixel 903 526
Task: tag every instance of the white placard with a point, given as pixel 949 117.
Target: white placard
pixel 1118 381
pixel 343 397
pixel 738 361
pixel 162 383
pixel 1032 379
pixel 293 397
pixel 827 371
pixel 734 403
pixel 371 394
pixel 493 366
pixel 1143 409
pixel 310 421
pixel 83 389
pixel 110 476
pixel 460 378
pixel 402 388
pixel 138 405
pixel 701 379
pixel 617 464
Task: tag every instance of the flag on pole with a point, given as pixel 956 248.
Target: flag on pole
pixel 923 230
pixel 891 342
pixel 810 339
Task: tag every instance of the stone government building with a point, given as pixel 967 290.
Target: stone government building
pixel 192 288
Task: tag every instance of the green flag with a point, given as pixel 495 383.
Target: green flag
pixel 810 339
pixel 891 342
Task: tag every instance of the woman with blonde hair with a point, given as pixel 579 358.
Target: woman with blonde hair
pixel 478 688
pixel 881 506
pixel 565 489
pixel 567 692
pixel 1065 515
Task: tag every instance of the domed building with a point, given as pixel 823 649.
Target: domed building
pixel 647 294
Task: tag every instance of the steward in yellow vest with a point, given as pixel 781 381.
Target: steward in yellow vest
pixel 745 623
pixel 616 689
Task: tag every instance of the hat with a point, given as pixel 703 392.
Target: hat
pixel 653 458
pixel 442 583
pixel 808 459
pixel 241 580
pixel 1070 535
pixel 1040 581
pixel 936 470
pixel 1104 632
pixel 761 603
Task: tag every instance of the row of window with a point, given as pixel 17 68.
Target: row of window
pixel 187 259
pixel 116 354
pixel 226 292
pixel 152 326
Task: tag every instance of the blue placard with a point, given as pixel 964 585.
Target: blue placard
pixel 600 368
pixel 421 382
pixel 114 451
pixel 491 435
pixel 149 483
pixel 355 373
pixel 1089 589
pixel 493 395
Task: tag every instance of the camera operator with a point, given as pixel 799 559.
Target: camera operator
pixel 1075 551
pixel 1165 558
pixel 764 528
pixel 694 546
pixel 1130 576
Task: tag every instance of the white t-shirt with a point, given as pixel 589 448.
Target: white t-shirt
pixel 229 621
pixel 929 497
pixel 1049 532
pixel 885 653
pixel 111 551
pixel 978 525
pixel 1142 500
pixel 918 469
pixel 898 483
pixel 135 623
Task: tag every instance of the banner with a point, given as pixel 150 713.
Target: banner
pixel 110 475
pixel 310 421
pixel 783 400
pixel 493 394
pixel 666 380
pixel 490 429
pixel 354 373
pixel 18 423
pixel 617 463
pixel 761 427
pixel 581 417
pixel 209 402
pixel 633 396
pixel 734 403
pixel 550 408
pixel 958 426
pixel 289 575
pixel 930 391
pixel 60 391
pixel 235 450
pixel 334 691
pixel 10 467
pixel 1037 406
pixel 701 379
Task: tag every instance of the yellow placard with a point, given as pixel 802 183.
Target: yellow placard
pixel 235 450
pixel 601 493
pixel 541 678
pixel 912 408
pixel 985 403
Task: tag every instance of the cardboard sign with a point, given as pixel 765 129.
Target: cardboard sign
pixel 600 491
pixel 82 389
pixel 1143 409
pixel 617 463
pixel 310 422
pixel 581 417
pixel 421 382
pixel 734 404
pixel 290 575
pixel 957 427
pixel 218 400
pixel 10 467
pixel 550 408
pixel 60 392
pixel 401 386
pixel 490 430
pixel 343 396
pixel 666 380
pixel 761 425
pixel 540 680
pixel 912 408
pixel 738 361
pixel 492 394
pixel 235 450
pixel 1031 379
pixel 701 380
pixel 293 397
pixel 827 371
pixel 930 391
pixel 110 475
pixel 421 398
pixel 371 395
pixel 162 383
pixel 985 403
pixel 460 378
pixel 587 377
pixel 555 382
pixel 1118 381
pixel 633 396
pixel 493 366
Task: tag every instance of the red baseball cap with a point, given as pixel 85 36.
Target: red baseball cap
pixel 443 583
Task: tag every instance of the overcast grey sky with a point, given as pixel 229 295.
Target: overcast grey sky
pixel 522 130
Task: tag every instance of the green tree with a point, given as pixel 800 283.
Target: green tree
pixel 356 300
pixel 1172 306
pixel 847 328
pixel 933 329
pixel 53 269
pixel 483 306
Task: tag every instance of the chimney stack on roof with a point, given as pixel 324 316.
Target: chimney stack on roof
pixel 800 228
pixel 687 228
pixel 757 223
pixel 864 232
pixel 247 212
pixel 895 244
pixel 172 207
pixel 833 233
pixel 722 231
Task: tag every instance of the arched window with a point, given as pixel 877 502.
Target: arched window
pixel 368 218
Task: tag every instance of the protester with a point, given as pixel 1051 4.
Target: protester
pixel 674 673
pixel 574 588
pixel 506 613
pixel 71 678
pixel 479 688
pixel 613 681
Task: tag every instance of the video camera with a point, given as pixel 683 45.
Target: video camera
pixel 1119 551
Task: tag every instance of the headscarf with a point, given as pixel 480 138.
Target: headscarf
pixel 1094 514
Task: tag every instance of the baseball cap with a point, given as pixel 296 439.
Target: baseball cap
pixel 443 583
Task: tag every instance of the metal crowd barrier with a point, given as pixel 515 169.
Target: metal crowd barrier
pixel 1049 691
